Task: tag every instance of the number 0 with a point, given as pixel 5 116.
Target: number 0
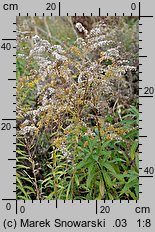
pixel 133 6
pixel 8 206
pixel 22 209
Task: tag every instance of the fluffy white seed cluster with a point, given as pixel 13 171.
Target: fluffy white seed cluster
pixel 47 98
pixel 96 31
pixel 95 39
pixel 39 53
pixel 115 137
pixel 28 130
pixel 59 57
pixel 81 28
pixel 34 114
pixel 112 52
pixel 58 48
pixel 47 57
pixel 65 152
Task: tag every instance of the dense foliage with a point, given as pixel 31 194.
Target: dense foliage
pixel 77 114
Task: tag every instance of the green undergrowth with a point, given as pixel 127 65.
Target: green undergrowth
pixel 96 167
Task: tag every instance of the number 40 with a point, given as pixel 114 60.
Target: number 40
pixel 6 46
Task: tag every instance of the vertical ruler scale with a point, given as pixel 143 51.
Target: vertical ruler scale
pixel 8 98
pixel 67 215
pixel 145 100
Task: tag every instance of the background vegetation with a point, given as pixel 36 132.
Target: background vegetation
pixel 77 108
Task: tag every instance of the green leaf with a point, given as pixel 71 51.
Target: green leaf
pixel 133 150
pixel 130 184
pixel 85 162
pixel 46 181
pixel 106 144
pixel 21 152
pixel 91 174
pixel 111 197
pixel 30 188
pixel 108 180
pixel 132 195
pixel 76 180
pixel 20 166
pixel 68 190
pixel 101 188
pixel 109 167
pixel 137 162
pixel 21 187
pixel 132 134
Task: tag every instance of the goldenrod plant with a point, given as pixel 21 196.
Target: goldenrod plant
pixel 77 109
